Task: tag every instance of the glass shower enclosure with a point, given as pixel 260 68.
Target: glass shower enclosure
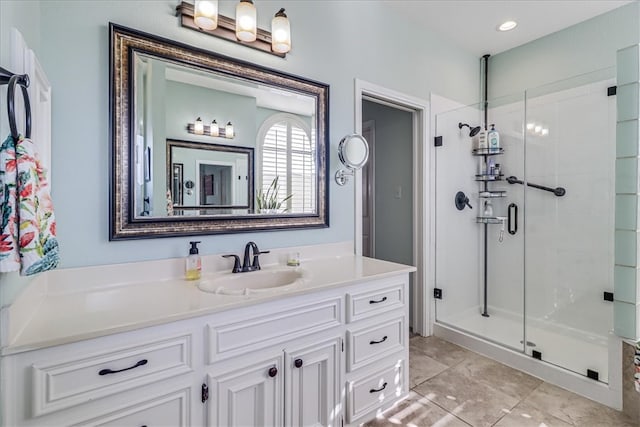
pixel 526 264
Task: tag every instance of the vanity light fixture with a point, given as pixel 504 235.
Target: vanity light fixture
pixel 205 14
pixel 507 26
pixel 242 30
pixel 228 131
pixel 198 127
pixel 214 130
pixel 246 21
pixel 280 33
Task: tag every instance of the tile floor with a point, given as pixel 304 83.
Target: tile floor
pixel 451 387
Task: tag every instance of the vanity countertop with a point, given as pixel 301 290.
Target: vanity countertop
pixel 72 312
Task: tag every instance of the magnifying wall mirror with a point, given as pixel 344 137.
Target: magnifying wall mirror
pixel 353 152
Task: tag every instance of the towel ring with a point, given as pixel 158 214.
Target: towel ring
pixel 23 82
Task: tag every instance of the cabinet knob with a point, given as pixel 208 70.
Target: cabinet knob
pixel 273 371
pixel 298 363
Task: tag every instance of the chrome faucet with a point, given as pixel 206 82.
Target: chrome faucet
pixel 248 264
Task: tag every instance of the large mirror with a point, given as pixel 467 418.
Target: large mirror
pixel 205 144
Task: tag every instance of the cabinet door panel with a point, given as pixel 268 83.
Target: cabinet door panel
pixel 312 395
pixel 248 396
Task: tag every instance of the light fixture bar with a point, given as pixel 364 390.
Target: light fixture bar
pixel 226 30
pixel 207 131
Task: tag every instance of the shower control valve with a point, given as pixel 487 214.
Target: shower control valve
pixel 462 201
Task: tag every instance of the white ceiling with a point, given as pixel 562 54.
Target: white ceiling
pixel 471 24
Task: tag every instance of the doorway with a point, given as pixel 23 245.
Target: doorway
pixel 391 216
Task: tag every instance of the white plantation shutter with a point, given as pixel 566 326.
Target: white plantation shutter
pixel 289 154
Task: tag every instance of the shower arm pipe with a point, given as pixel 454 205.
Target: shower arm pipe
pixel 558 191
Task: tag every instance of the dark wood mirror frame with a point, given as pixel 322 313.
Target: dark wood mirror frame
pixel 123 43
pixel 248 151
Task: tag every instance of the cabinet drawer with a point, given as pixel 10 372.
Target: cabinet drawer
pixel 369 303
pixel 245 336
pixel 372 391
pixel 170 410
pixel 374 342
pixel 64 383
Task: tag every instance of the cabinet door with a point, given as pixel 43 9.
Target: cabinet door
pixel 248 396
pixel 313 377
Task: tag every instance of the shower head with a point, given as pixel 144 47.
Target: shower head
pixel 473 131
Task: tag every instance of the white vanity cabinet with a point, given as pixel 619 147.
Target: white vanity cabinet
pixel 145 377
pixel 327 357
pixel 294 388
pixel 280 365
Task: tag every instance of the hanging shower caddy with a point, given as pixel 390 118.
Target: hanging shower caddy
pixel 485 178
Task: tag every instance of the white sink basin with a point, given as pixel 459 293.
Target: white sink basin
pixel 253 282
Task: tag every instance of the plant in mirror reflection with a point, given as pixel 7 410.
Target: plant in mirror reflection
pixel 267 201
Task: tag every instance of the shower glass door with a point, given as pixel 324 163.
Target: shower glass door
pixel 538 287
pixel 570 143
pixel 479 265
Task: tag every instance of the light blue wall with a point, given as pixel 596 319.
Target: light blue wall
pixel 189 102
pixel 580 49
pixel 75 55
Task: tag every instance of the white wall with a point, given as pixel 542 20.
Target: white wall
pixel 350 39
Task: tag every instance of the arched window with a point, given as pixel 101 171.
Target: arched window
pixel 287 150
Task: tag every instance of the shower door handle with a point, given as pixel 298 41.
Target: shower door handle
pixel 512 219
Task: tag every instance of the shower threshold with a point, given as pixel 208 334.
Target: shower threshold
pixel 561 346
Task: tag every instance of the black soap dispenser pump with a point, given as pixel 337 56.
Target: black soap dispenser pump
pixel 193 263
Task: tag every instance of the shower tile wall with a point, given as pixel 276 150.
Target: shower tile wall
pixel 627 290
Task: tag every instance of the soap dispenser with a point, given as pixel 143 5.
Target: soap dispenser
pixel 193 264
pixel 494 138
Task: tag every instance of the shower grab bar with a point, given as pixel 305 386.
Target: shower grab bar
pixel 558 191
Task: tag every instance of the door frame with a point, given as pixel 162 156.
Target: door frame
pixel 422 218
pixel 371 170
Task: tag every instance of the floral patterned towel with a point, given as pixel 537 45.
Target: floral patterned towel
pixel 27 223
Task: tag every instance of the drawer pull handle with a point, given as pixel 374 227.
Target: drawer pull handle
pixel 111 371
pixel 273 372
pixel 378 342
pixel 378 390
pixel 298 363
pixel 378 301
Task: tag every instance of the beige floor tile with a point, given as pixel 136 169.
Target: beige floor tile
pixel 574 409
pixel 422 367
pixel 524 415
pixel 475 403
pixel 501 377
pixel 416 411
pixel 440 350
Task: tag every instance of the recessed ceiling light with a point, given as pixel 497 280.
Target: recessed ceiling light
pixel 507 25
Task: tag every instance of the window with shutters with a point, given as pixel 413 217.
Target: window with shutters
pixel 287 151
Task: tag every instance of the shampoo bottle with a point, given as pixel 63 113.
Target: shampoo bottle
pixel 193 264
pixel 494 138
pixel 482 140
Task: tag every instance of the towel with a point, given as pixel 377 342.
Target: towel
pixel 27 222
